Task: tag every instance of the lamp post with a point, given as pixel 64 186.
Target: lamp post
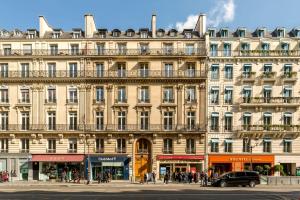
pixel 251 151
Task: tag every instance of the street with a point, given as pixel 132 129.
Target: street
pixel 150 191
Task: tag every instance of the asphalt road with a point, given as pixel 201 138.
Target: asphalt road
pixel 146 192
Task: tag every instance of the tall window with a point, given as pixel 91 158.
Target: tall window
pixel 51 120
pixel 287 70
pixel 24 70
pixel 214 95
pixel 122 120
pixel 3 70
pixel 99 145
pixel 191 120
pixel 287 93
pixel 267 120
pixel 214 72
pixel 190 94
pixel 228 146
pixel 73 98
pixel 7 49
pixel 73 70
pixel 246 145
pixel 168 120
pixel 213 50
pixel 168 48
pixel 122 48
pixel 228 95
pixel 144 48
pixel 191 70
pixel 51 70
pixel 144 94
pixel 121 145
pixel 72 120
pixel 214 145
pixel 24 120
pixel 287 145
pixel 99 94
pixel 144 123
pixel 228 72
pixel 189 49
pixel 267 93
pixel 228 121
pixel 3 120
pixel 267 146
pixel 168 70
pixel 122 70
pixel 246 121
pixel 287 120
pixel 72 145
pixel 4 95
pixel 51 95
pixel 3 145
pixel 247 70
pixel 168 95
pixel 100 70
pixel 99 120
pixel 24 145
pixel 214 121
pixel 190 146
pixel 27 49
pixel 122 94
pixel 53 49
pixel 51 145
pixel 168 146
pixel 247 94
pixel 144 70
pixel 74 49
pixel 100 48
pixel 227 49
pixel 245 49
pixel 25 96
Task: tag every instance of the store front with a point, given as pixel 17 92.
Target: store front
pixel 117 166
pixel 17 165
pixel 290 164
pixel 179 163
pixel 225 163
pixel 46 167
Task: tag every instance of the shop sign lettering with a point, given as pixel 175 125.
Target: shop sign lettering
pixel 107 158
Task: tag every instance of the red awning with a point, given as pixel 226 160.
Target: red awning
pixel 57 158
pixel 180 157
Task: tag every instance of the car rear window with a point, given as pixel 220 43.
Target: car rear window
pixel 239 174
pixel 251 174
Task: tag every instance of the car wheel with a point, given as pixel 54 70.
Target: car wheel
pixel 252 184
pixel 223 184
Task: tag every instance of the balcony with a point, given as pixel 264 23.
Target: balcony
pixel 72 101
pixel 168 101
pixel 99 101
pixel 4 101
pixel 289 77
pixel 143 101
pixel 248 77
pixel 214 128
pixel 72 150
pixel 99 150
pixel 107 74
pixel 121 150
pixel 24 150
pixel 167 151
pixel 190 150
pixel 51 150
pixel 269 102
pixel 23 101
pixel 255 53
pixel 121 101
pixel 50 101
pixel 268 77
pixel 3 150
pixel 191 101
pixel 260 131
pixel 104 52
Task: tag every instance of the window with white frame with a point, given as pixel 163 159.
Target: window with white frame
pixel 3 145
pixel 267 145
pixel 101 48
pixel 3 121
pixel 74 49
pixel 228 121
pixel 73 71
pixel 6 49
pixel 27 49
pixel 72 120
pixel 144 94
pixel 189 49
pixel 191 120
pixel 24 145
pixel 3 70
pixel 121 145
pixel 287 93
pixel 24 70
pixel 168 120
pixel 287 121
pixel 214 95
pixel 144 120
pixel 99 69
pixel 267 121
pixel 122 48
pixel 122 70
pixel 247 94
pixel 51 70
pixel 100 94
pixel 228 72
pixel 246 145
pixel 73 97
pixel 24 121
pixel 214 72
pixel 72 145
pixel 168 70
pixel 247 116
pixel 51 120
pixel 228 95
pixel 190 146
pixel 51 145
pixel 227 49
pixel 99 120
pixel 24 95
pixel 4 95
pixel 53 49
pixel 191 94
pixel 213 50
pixel 122 97
pixel 143 70
pixel 122 120
pixel 214 121
pixel 168 95
pixel 190 70
pixel 168 146
pixel 214 145
pixel 51 95
pixel 287 145
pixel 228 145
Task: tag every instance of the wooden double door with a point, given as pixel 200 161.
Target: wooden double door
pixel 143 158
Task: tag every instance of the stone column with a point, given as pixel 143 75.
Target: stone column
pixel 202 105
pixel 82 103
pixel 41 120
pixel 88 105
pixel 109 101
pixel 179 107
pixel 35 105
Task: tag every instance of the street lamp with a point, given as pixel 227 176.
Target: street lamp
pixel 251 151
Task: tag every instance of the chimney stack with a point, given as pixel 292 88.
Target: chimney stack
pixel 90 27
pixel 153 25
pixel 44 26
pixel 201 25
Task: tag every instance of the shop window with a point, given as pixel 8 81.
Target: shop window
pixel 168 146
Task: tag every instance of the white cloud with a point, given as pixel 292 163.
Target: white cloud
pixel 222 12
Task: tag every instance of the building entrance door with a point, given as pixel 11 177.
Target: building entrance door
pixel 142 162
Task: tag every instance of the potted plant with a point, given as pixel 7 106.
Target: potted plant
pixel 278 170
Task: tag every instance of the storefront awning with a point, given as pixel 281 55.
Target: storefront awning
pixel 57 158
pixel 180 157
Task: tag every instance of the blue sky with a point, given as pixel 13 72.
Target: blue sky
pixel 123 14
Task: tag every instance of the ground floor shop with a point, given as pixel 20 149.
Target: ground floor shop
pixel 17 165
pixel 224 163
pixel 116 166
pixel 179 163
pixel 57 166
pixel 290 164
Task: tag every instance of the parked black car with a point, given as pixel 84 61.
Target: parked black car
pixel 237 178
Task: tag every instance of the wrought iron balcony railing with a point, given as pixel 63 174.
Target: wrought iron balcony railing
pixel 254 53
pixel 270 128
pixel 51 150
pixel 270 100
pixel 104 74
pixel 105 52
pixel 190 150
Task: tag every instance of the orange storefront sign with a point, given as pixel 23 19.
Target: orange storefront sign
pixel 237 161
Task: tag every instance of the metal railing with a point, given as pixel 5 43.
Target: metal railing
pixel 106 127
pixel 268 127
pixel 72 150
pixel 51 150
pixel 105 74
pixel 167 151
pixel 190 150
pixel 254 53
pixel 271 100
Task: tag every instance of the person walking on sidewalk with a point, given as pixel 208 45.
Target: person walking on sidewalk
pixel 153 176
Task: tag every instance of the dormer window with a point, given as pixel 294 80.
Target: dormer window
pixel 261 33
pixel 116 33
pixel 224 33
pixel 4 33
pixel 173 33
pixel 55 34
pixel 241 33
pixel 31 34
pixel 17 33
pixel 160 33
pixel 144 34
pixel 280 32
pixel 102 33
pixel 187 34
pixel 76 35
pixel 212 33
pixel 130 33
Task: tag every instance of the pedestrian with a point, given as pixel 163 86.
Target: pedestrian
pixel 153 176
pixel 190 177
pixel 202 178
pixel 147 177
pixel 166 178
pixel 205 179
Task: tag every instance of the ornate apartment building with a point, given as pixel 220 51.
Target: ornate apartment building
pixel 253 99
pixel 94 100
